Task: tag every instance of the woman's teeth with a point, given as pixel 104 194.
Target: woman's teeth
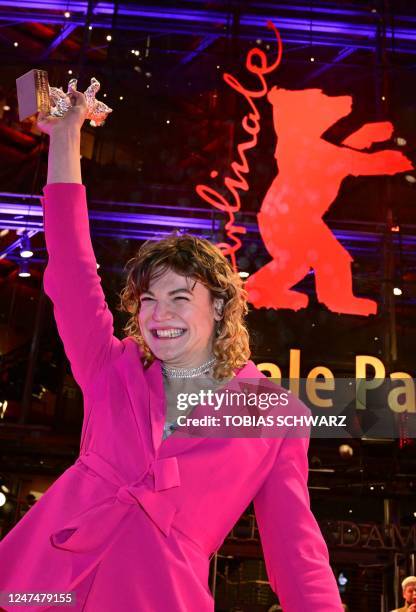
pixel 168 333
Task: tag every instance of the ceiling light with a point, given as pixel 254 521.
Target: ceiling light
pixel 24 269
pixel 25 248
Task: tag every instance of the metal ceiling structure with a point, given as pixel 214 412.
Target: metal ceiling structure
pixel 326 23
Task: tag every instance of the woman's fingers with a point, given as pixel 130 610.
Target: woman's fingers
pixel 73 118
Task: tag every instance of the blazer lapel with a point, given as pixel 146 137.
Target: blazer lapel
pixel 157 402
pixel 139 393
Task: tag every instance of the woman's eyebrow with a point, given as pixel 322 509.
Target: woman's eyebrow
pixel 173 292
pixel 180 290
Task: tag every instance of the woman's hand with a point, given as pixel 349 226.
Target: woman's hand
pixel 73 119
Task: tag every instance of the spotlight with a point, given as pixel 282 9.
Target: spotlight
pixel 2 499
pixel 25 248
pixel 397 291
pixel 16 44
pixel 108 37
pixel 67 14
pixel 24 269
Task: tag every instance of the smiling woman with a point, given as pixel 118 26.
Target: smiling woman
pixel 133 524
pixel 187 305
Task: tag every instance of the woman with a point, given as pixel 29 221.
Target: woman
pixel 133 523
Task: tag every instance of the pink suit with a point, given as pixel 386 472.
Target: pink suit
pixel 132 524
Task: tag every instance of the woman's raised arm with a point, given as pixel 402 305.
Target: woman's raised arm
pixel 84 321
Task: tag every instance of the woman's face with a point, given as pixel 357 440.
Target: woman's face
pixel 177 320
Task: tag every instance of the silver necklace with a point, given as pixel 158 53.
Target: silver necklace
pixel 187 372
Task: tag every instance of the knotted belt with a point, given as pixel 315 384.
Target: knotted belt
pixel 95 526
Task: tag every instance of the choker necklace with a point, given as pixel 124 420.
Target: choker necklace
pixel 187 372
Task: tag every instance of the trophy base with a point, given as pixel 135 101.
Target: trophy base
pixel 33 93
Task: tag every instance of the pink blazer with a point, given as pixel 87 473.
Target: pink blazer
pixel 182 492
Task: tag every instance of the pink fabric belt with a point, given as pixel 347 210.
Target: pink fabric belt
pixel 96 526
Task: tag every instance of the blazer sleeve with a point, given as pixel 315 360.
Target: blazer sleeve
pixel 295 552
pixel 84 321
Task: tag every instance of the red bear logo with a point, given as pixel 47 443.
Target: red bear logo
pixel 310 173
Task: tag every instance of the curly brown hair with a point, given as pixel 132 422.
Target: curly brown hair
pixel 198 259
